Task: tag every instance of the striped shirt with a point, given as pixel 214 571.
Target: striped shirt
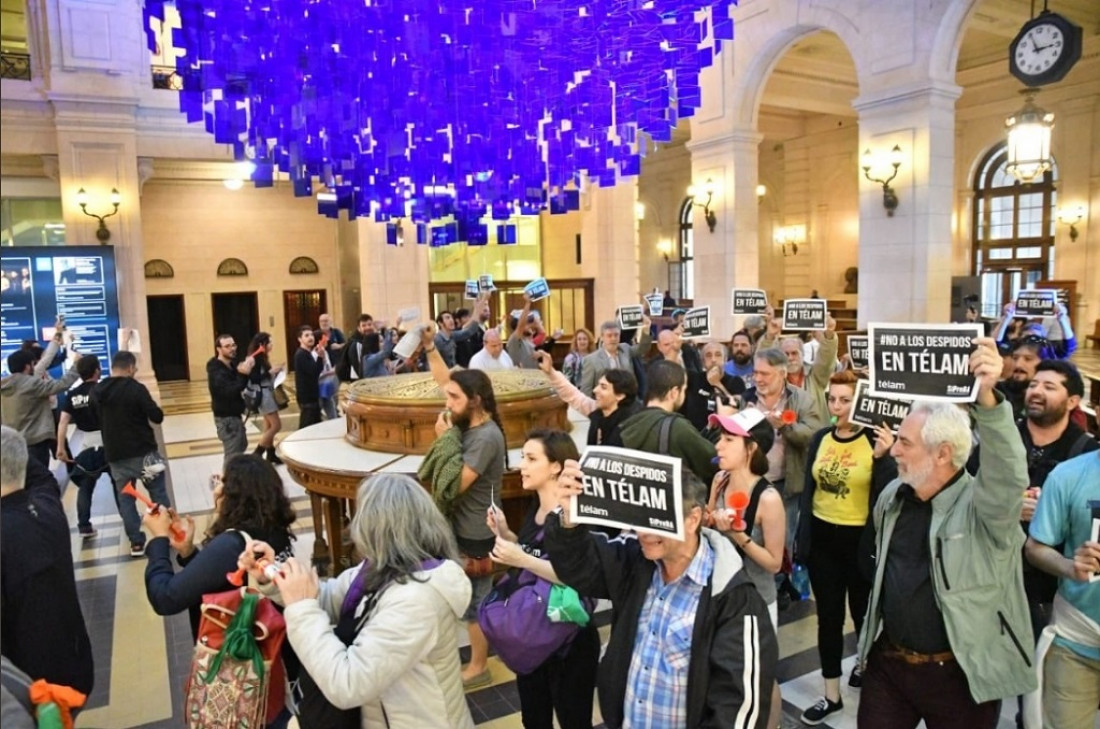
pixel 656 691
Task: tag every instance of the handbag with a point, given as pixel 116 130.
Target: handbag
pixel 477 566
pixel 282 400
pixel 253 397
pixel 514 618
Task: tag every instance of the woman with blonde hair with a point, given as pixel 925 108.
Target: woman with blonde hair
pixel 392 659
pixel 583 341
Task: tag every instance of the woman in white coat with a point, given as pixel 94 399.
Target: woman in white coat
pixel 394 652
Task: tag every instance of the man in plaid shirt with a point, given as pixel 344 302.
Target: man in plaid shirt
pixel 691 642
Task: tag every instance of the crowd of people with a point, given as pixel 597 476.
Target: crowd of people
pixel 963 545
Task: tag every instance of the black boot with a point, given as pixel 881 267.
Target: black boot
pixel 272 458
pixel 259 452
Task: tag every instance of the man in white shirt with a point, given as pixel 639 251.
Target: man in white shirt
pixel 492 355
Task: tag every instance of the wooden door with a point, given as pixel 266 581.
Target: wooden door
pixel 168 337
pixel 301 307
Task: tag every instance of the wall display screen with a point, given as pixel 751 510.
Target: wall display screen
pixel 38 283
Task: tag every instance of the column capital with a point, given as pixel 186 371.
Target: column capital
pixel 145 171
pixel 933 93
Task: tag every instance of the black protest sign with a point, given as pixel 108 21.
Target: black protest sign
pixel 697 322
pixel 748 301
pixel 630 490
pixel 857 350
pixel 630 317
pixel 868 409
pixel 929 361
pixel 804 315
pixel 1037 302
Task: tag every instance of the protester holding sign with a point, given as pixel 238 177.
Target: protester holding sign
pixel 849 467
pixel 448 336
pixel 1048 349
pixel 615 401
pixel 946 634
pixel 759 530
pixel 563 684
pixel 685 615
pixel 811 378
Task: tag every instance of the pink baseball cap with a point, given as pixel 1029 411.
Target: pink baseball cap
pixel 740 423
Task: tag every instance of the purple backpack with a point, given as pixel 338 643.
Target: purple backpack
pixel 513 618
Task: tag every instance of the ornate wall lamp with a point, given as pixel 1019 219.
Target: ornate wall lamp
pixel 695 195
pixel 790 235
pixel 889 196
pixel 1071 217
pixel 102 234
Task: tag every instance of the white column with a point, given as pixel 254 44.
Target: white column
pixel 730 256
pixel 609 247
pixel 905 260
pixel 391 277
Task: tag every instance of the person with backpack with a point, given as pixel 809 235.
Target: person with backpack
pixel 564 683
pixel 848 467
pixel 393 655
pixel 743 444
pixel 249 502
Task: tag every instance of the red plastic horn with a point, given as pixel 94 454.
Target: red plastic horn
pixel 738 501
pixel 258 352
pixel 177 533
pixel 235 578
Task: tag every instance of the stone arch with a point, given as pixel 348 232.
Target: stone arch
pixel 943 57
pixel 780 35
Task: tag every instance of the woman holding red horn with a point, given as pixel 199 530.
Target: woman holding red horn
pixel 757 525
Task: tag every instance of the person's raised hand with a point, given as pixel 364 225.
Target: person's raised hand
pixel 508 553
pixel 297 581
pixel 884 440
pixel 1086 561
pixel 159 522
pixel 427 335
pixel 496 521
pixel 986 365
pixel 714 376
pixel 185 543
pixel 570 484
pixel 544 361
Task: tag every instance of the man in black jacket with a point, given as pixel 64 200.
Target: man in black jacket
pixel 691 641
pixel 226 377
pixel 309 361
pixel 126 410
pixel 43 631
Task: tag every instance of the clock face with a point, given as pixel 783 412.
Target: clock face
pixel 1039 49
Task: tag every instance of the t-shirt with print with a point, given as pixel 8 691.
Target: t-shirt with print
pixel 483 451
pixel 79 407
pixel 842 471
pixel 530 534
pixel 1065 515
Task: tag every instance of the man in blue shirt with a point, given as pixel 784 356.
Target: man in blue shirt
pixel 691 642
pixel 1068 513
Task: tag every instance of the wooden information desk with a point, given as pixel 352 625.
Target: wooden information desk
pixel 330 468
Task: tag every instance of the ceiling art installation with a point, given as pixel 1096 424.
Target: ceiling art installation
pixel 426 109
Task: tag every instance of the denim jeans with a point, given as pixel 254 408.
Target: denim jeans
pixel 89 465
pixel 129 470
pixel 328 407
pixel 231 434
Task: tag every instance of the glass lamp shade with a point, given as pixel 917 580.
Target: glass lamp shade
pixel 1029 142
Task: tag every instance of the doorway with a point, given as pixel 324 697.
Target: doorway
pixel 301 307
pixel 167 337
pixel 238 315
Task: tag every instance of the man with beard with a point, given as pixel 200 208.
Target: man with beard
pixel 472 408
pixel 1050 437
pixel 706 387
pixel 359 345
pixel 740 363
pixel 946 635
pixel 1025 358
pixel 448 337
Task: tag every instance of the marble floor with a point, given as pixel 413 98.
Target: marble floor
pixel 142 659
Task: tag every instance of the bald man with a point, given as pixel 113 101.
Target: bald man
pixel 492 355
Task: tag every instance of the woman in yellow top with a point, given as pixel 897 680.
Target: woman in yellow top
pixel 849 467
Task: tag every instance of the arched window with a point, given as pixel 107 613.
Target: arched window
pixel 686 279
pixel 1013 233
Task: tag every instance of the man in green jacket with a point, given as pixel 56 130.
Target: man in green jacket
pixel 947 634
pixel 665 392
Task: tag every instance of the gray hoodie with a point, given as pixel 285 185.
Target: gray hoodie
pixel 25 403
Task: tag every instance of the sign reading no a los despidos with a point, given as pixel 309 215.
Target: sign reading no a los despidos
pixel 868 409
pixel 630 316
pixel 930 361
pixel 697 322
pixel 630 490
pixel 857 350
pixel 748 301
pixel 1037 302
pixel 804 315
